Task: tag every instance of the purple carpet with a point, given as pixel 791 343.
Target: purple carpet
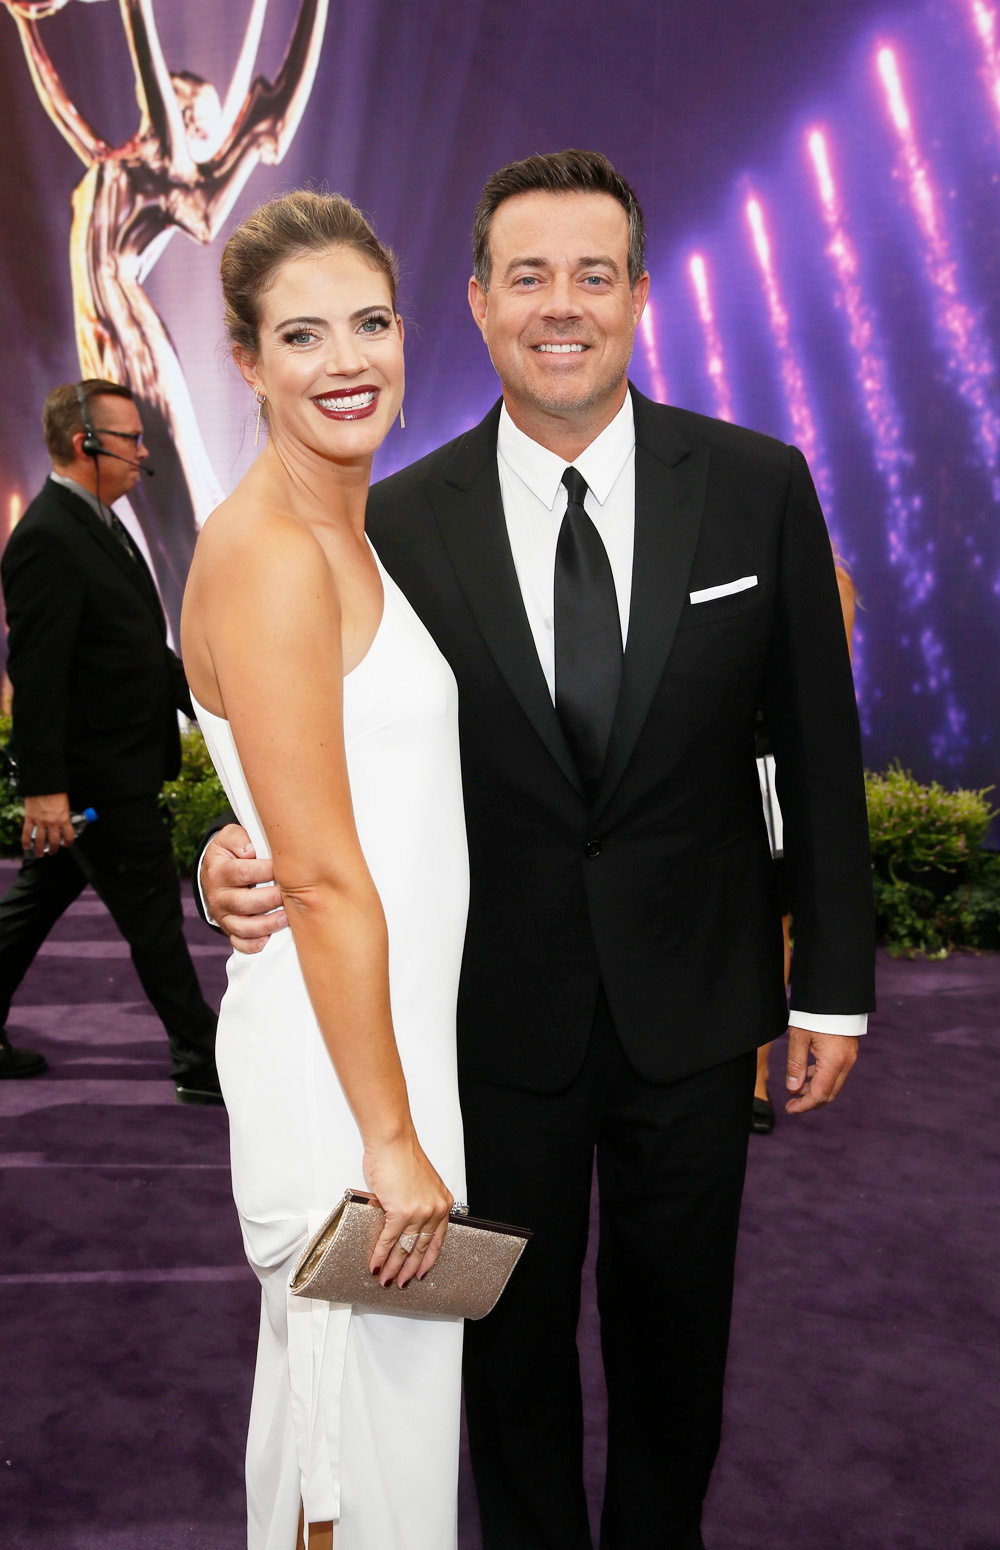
pixel 864 1382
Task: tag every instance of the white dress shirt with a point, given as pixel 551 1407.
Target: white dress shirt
pixel 534 503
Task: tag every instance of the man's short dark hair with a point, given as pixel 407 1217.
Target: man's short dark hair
pixel 560 172
pixel 61 416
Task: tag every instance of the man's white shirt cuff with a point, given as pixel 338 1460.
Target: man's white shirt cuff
pixel 850 1025
pixel 201 891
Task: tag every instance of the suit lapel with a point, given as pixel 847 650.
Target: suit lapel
pixel 670 484
pixel 136 570
pixel 470 517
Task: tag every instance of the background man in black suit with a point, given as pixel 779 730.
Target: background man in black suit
pixel 624 952
pixel 96 695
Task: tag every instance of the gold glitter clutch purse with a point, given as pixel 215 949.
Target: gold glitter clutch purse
pixel 472 1269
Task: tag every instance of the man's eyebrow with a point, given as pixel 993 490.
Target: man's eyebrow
pixel 526 263
pixel 597 261
pixel 600 261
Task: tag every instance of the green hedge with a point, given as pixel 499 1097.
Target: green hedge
pixel 936 888
pixel 190 802
pixel 11 810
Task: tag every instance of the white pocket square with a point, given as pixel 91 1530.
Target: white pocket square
pixel 707 594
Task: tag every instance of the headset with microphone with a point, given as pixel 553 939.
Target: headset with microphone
pixel 91 447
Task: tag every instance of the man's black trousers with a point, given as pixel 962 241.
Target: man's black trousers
pixel 125 855
pixel 670 1161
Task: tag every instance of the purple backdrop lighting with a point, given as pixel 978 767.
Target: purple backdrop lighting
pixel 892 458
pixel 970 361
pixel 984 20
pixel 800 412
pixel 715 360
pixel 651 349
pixel 803 422
pixel 853 308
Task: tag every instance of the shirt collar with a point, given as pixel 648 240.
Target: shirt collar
pixel 542 471
pixel 104 512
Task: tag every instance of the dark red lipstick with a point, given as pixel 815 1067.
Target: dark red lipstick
pixel 358 402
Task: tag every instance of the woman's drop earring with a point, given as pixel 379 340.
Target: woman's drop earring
pixel 402 422
pixel 261 401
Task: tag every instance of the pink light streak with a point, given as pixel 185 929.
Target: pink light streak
pixel 984 20
pixel 871 372
pixel 969 358
pixel 647 328
pixel 792 376
pixel 715 361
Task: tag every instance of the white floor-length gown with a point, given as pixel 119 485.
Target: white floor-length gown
pixel 354 1413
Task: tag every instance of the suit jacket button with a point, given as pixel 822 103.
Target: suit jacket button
pixel 592 848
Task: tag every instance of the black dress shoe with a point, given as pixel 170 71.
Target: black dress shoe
pixel 19 1062
pixel 199 1086
pixel 762 1117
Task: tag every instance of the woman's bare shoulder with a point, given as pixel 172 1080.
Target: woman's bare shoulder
pixel 250 537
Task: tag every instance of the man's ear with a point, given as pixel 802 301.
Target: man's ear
pixel 640 296
pixel 477 301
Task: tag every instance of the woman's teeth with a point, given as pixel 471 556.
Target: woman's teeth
pixel 350 401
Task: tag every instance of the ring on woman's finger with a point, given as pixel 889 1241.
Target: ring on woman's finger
pixel 407 1241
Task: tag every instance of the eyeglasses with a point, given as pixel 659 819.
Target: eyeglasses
pixel 135 437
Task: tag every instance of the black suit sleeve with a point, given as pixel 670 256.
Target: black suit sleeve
pixel 179 685
pixel 812 717
pixel 44 597
pixel 218 823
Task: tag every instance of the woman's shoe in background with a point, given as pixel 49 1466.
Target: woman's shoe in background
pixel 762 1117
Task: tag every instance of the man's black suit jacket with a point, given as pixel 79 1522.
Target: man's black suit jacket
pixel 662 887
pixel 96 687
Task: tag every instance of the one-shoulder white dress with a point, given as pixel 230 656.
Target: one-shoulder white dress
pixel 354 1413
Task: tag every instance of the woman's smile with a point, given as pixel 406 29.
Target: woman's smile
pixel 348 403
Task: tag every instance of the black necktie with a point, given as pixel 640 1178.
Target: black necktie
pixel 588 635
pixel 142 575
pixel 121 533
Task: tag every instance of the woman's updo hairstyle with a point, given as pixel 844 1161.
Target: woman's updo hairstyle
pixel 300 222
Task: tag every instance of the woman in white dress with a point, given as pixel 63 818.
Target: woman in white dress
pixel 332 720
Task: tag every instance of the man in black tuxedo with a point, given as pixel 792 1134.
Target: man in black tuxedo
pixel 624 950
pixel 96 695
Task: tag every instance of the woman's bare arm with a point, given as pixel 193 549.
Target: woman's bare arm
pixel 282 688
pixel 848 603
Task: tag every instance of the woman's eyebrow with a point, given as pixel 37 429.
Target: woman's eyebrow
pixel 290 321
pixel 362 312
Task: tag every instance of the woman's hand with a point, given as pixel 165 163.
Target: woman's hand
pixel 416 1203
